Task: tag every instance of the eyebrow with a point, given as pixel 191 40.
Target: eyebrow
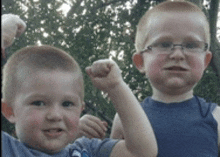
pixel 43 96
pixel 193 38
pixel 70 96
pixel 160 38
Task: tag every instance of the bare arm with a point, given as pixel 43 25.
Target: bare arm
pixel 216 114
pixel 139 136
pixel 117 129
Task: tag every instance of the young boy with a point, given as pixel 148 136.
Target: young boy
pixel 172 42
pixel 43 96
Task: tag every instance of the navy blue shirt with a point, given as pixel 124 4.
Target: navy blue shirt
pixel 186 129
pixel 82 147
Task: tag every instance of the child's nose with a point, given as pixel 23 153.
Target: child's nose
pixel 177 53
pixel 54 113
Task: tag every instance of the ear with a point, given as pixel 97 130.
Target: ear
pixel 208 58
pixel 138 61
pixel 7 111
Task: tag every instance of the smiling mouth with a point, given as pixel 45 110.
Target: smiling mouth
pixel 53 133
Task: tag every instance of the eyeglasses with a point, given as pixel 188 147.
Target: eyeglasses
pixel 168 47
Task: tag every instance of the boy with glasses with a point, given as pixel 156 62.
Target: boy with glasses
pixel 172 44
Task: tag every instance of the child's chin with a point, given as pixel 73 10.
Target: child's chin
pixel 52 148
pixel 177 84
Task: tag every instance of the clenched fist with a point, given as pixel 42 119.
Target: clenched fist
pixel 12 26
pixel 105 74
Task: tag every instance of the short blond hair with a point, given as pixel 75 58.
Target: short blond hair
pixel 168 6
pixel 32 59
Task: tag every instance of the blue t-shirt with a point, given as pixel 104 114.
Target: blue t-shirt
pixel 186 129
pixel 82 147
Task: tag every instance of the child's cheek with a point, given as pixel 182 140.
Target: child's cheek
pixel 197 67
pixel 35 119
pixel 29 125
pixel 156 66
pixel 72 124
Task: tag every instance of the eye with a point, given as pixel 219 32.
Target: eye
pixel 191 45
pixel 68 104
pixel 38 103
pixel 164 45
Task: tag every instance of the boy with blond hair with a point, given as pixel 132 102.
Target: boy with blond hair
pixel 172 50
pixel 43 96
pixel 172 43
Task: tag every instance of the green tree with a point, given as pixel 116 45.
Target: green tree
pixel 97 29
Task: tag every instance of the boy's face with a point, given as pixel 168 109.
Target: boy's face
pixel 176 72
pixel 47 110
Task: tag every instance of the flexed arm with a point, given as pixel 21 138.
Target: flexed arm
pixel 139 136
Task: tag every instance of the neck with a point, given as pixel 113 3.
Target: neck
pixel 168 98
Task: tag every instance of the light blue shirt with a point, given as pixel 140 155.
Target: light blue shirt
pixel 82 147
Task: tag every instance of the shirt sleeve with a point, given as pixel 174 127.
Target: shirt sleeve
pixel 97 147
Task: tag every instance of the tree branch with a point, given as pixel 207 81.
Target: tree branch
pixel 213 16
pixel 73 8
pixel 215 45
pixel 108 3
pixel 198 3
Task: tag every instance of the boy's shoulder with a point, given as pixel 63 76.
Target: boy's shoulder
pixel 12 147
pixel 216 111
pixel 216 115
pixel 92 146
pixel 81 147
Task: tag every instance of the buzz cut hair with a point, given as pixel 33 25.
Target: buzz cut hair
pixel 31 59
pixel 168 7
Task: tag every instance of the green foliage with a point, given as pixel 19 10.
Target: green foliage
pixel 92 30
pixel 209 86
